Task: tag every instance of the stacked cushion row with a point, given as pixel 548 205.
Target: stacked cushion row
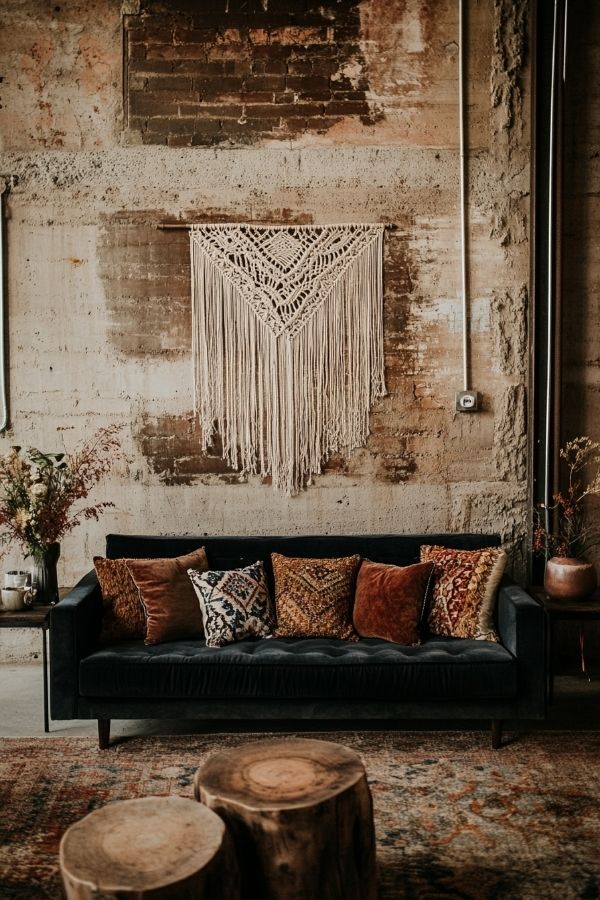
pixel 450 592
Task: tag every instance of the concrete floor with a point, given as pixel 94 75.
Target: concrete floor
pixel 576 706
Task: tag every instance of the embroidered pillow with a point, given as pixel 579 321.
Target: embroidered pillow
pixel 464 591
pixel 122 611
pixel 235 604
pixel 168 597
pixel 313 597
pixel 390 601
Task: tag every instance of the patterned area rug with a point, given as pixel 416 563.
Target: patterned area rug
pixel 454 819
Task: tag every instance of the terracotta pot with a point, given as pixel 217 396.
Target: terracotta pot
pixel 568 578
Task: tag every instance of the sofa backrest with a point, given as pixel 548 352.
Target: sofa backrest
pixel 235 552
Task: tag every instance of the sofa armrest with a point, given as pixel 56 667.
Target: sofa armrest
pixel 522 630
pixel 75 625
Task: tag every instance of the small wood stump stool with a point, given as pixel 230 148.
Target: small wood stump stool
pixel 166 848
pixel 300 815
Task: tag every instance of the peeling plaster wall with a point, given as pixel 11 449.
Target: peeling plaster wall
pixel 99 299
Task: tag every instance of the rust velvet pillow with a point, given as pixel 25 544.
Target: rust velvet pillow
pixel 314 597
pixel 464 592
pixel 168 597
pixel 122 611
pixel 390 601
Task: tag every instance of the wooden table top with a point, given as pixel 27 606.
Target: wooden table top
pixel 31 617
pixel 581 607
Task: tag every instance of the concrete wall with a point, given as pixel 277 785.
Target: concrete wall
pixel 99 314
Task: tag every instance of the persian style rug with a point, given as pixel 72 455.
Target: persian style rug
pixel 453 818
pixel 287 342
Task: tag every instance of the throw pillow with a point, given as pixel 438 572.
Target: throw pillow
pixel 235 604
pixel 390 601
pixel 464 591
pixel 168 597
pixel 122 611
pixel 313 597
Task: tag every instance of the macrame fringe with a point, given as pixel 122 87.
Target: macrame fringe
pixel 282 405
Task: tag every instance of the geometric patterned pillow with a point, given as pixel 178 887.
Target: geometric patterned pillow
pixel 464 591
pixel 122 611
pixel 314 597
pixel 235 604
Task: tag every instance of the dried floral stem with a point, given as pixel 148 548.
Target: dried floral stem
pixel 38 490
pixel 573 536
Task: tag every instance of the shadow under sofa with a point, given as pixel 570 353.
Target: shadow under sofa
pixel 295 678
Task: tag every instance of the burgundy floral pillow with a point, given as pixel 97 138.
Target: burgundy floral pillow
pixel 464 591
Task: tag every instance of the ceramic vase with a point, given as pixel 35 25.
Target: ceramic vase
pixel 568 578
pixel 44 576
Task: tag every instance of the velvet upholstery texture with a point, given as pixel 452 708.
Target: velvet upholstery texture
pixel 302 669
pixel 170 602
pixel 465 591
pixel 122 611
pixel 235 604
pixel 314 597
pixel 389 602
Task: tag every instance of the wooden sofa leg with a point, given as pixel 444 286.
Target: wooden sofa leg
pixel 103 733
pixel 496 733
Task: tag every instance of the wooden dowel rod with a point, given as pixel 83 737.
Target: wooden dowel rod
pixel 183 226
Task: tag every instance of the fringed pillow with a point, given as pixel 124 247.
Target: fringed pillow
pixel 464 591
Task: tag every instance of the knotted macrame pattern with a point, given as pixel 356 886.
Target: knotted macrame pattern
pixel 287 343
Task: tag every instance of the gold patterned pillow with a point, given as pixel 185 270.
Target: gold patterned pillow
pixel 464 591
pixel 314 597
pixel 122 611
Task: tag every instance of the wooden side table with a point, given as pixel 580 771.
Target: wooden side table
pixel 581 611
pixel 36 616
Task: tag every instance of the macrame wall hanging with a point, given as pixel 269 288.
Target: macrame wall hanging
pixel 287 342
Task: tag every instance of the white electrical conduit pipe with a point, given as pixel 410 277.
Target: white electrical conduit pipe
pixel 3 398
pixel 463 196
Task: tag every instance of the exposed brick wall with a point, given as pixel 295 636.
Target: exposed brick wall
pixel 239 72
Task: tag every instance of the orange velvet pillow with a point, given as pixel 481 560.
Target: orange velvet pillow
pixel 168 597
pixel 390 601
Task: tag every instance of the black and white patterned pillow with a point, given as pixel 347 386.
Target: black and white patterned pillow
pixel 235 604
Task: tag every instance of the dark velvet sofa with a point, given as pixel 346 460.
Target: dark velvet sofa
pixel 305 678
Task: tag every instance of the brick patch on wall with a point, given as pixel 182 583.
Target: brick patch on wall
pixel 242 71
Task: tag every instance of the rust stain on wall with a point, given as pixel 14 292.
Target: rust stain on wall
pixel 145 274
pixel 171 444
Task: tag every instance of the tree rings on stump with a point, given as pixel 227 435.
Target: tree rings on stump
pixel 300 814
pixel 164 848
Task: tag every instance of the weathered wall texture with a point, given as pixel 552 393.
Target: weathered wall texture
pixel 273 114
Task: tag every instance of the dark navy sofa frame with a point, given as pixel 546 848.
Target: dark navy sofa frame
pixel 75 625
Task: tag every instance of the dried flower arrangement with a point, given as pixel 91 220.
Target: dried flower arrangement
pixel 38 490
pixel 572 535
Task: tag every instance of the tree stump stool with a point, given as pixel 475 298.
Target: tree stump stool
pixel 300 815
pixel 164 848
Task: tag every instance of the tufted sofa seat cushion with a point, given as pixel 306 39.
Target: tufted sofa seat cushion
pixel 301 668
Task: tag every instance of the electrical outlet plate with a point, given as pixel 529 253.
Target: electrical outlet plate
pixel 467 401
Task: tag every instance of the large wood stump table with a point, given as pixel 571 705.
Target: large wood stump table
pixel 300 815
pixel 164 848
